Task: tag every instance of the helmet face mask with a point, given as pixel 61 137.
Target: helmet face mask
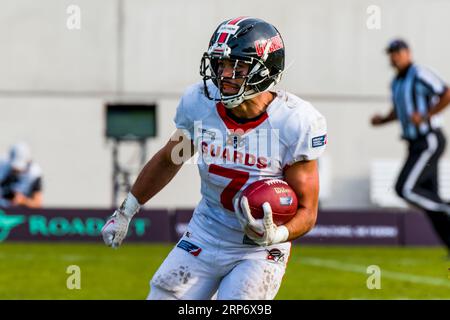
pixel 251 42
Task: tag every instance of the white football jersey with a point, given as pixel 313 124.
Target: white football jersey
pixel 232 155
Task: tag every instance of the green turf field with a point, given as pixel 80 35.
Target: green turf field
pixel 38 271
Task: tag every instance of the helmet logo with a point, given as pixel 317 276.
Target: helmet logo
pixel 275 44
pixel 247 40
pixel 228 28
pixel 220 49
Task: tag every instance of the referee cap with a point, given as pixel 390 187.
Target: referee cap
pixel 396 45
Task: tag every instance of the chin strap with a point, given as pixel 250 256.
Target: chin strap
pixel 231 102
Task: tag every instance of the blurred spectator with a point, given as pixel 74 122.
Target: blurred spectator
pixel 20 179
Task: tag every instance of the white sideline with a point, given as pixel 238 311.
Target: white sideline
pixel 337 265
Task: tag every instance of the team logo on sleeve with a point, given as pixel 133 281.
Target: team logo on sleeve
pixel 319 141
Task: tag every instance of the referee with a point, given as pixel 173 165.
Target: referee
pixel 419 95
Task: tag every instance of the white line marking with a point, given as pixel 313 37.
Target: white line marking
pixel 400 276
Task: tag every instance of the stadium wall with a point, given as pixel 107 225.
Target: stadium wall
pixel 55 81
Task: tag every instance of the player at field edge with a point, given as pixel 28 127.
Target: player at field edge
pixel 419 96
pixel 226 118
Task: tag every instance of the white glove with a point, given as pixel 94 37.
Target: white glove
pixel 262 231
pixel 115 229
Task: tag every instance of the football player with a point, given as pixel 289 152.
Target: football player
pixel 243 131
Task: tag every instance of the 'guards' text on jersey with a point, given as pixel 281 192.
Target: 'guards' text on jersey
pixel 232 155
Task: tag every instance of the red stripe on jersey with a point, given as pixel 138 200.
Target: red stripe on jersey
pixel 233 125
pixel 223 36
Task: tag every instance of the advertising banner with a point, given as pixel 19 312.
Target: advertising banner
pixel 332 227
pixel 78 225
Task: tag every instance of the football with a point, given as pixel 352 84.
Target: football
pixel 278 193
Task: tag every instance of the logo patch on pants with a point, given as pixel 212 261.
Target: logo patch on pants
pixel 189 247
pixel 275 255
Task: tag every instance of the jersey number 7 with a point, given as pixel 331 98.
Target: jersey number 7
pixel 238 180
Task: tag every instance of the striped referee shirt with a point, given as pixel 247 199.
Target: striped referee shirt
pixel 416 89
